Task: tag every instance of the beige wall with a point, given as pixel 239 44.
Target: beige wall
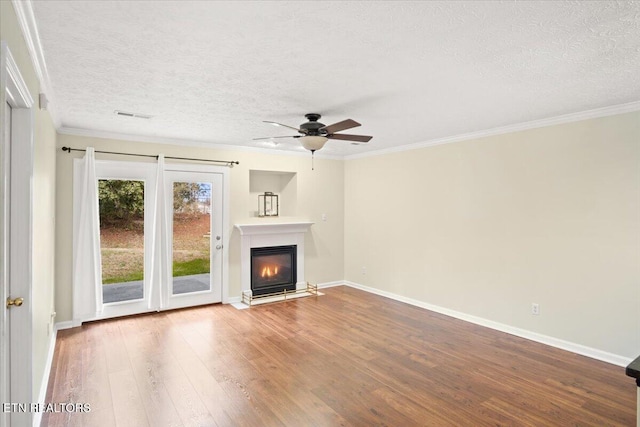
pixel 487 227
pixel 44 190
pixel 317 191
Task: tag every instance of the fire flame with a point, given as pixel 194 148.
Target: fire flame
pixel 268 271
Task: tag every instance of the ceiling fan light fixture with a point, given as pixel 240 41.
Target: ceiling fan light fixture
pixel 315 134
pixel 313 142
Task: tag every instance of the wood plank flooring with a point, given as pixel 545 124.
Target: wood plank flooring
pixel 347 358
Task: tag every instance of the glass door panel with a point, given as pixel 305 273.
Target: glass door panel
pixel 121 204
pixel 195 231
pixel 191 236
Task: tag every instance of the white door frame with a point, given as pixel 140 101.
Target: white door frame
pixel 16 233
pixel 106 169
pixel 226 199
pixel 181 173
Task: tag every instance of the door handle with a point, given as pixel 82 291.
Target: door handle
pixel 218 246
pixel 16 302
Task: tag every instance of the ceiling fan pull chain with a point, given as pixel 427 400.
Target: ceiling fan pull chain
pixel 313 152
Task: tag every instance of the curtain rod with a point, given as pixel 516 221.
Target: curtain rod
pixel 229 163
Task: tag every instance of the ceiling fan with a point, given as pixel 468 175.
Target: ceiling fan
pixel 315 134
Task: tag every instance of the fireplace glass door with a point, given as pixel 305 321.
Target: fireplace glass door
pixel 273 269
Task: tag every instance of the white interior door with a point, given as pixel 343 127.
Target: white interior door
pixel 5 357
pixel 16 225
pixel 196 237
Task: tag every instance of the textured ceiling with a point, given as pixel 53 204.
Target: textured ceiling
pixel 408 71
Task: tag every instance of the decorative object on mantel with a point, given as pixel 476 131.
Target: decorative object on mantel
pixel 249 299
pixel 315 134
pixel 268 204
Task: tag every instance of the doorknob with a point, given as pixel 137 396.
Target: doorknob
pixel 17 302
pixel 218 246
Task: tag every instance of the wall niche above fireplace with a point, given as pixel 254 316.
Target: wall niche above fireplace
pixel 284 184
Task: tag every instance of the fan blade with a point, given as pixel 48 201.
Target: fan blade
pixel 337 127
pixel 271 137
pixel 347 137
pixel 286 126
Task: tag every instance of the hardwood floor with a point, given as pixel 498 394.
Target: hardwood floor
pixel 347 358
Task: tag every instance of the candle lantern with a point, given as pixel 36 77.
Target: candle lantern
pixel 268 204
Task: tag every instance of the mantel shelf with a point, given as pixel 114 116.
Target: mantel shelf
pixel 273 228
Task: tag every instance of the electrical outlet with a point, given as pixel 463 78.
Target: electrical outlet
pixel 324 217
pixel 364 271
pixel 535 309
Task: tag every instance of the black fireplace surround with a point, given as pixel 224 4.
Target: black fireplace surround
pixel 273 269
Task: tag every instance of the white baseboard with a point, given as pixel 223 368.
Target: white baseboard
pixel 44 382
pixel 331 284
pixel 66 325
pixel 593 353
pixel 233 300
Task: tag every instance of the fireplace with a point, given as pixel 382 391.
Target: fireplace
pixel 273 269
pixel 269 234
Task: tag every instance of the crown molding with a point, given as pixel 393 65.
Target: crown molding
pixel 551 121
pixel 534 124
pixel 27 22
pixel 189 143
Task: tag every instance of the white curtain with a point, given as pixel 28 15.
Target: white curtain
pixel 160 246
pixel 87 265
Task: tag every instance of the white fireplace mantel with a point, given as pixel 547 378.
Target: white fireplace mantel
pixel 273 228
pixel 265 234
